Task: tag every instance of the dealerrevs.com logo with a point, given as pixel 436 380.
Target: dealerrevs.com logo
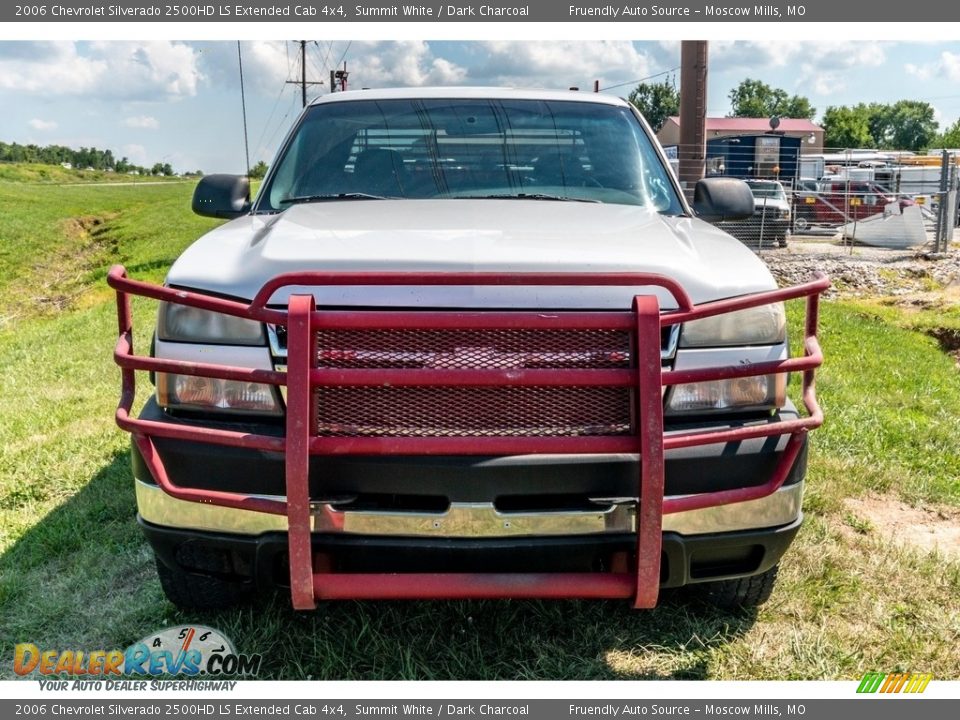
pixel 186 650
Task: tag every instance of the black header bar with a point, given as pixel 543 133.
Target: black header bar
pixel 721 11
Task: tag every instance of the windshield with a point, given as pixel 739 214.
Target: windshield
pixel 469 148
pixel 768 190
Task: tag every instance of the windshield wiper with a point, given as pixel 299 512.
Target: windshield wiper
pixel 531 196
pixel 324 198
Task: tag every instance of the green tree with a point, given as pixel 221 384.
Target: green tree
pixel 846 127
pixel 756 99
pixel 950 137
pixel 656 102
pixel 911 125
pixel 258 170
pixel 904 125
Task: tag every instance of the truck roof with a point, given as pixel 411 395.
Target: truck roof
pixel 469 92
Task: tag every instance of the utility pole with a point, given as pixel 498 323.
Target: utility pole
pixel 302 82
pixel 303 72
pixel 341 75
pixel 693 113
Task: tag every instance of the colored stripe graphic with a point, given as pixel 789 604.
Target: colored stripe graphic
pixel 871 682
pixel 894 682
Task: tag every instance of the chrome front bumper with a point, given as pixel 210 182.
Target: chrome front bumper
pixel 474 520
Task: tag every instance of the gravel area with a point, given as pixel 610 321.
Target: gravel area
pixel 858 270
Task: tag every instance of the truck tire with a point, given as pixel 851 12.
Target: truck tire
pixel 196 591
pixel 741 593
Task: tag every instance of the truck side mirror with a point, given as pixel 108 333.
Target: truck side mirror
pixel 222 196
pixel 722 198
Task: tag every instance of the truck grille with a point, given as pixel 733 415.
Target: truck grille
pixel 474 349
pixel 474 411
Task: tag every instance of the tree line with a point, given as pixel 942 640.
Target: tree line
pixel 903 125
pixel 81 159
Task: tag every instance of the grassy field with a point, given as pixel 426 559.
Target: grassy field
pixel 75 573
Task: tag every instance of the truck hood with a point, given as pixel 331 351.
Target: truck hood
pixel 504 236
pixel 770 204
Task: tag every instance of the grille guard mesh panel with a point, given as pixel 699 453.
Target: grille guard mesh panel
pixel 473 411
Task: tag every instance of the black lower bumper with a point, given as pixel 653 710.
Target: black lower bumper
pixel 262 559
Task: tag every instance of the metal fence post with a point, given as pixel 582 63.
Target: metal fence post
pixel 953 206
pixel 942 205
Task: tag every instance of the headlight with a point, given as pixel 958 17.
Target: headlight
pixel 188 324
pixel 764 325
pixel 192 392
pixel 763 392
pixel 784 214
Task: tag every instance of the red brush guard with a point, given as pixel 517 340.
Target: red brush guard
pixel 423 382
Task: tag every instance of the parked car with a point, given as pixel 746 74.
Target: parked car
pixel 468 343
pixel 803 200
pixel 770 222
pixel 841 201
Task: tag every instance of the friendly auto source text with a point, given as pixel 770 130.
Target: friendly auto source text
pixel 615 11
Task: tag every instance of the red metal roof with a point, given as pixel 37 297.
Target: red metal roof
pixel 736 124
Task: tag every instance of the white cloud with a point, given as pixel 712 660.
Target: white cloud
pixel 824 55
pixel 554 64
pixel 947 66
pixel 822 65
pixel 38 124
pixel 923 72
pixel 950 64
pixel 410 62
pixel 560 64
pixel 137 154
pixel 266 64
pixel 144 122
pixel 822 82
pixel 159 70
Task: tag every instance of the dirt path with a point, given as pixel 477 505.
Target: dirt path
pixel 861 271
pixel 928 529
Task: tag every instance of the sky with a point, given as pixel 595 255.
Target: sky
pixel 179 102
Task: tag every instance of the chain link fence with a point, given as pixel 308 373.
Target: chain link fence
pixel 888 199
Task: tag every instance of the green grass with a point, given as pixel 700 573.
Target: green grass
pixel 55 174
pixel 891 398
pixel 75 572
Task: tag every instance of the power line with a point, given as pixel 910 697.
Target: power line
pixel 280 124
pixel 303 74
pixel 640 80
pixel 343 57
pixel 243 104
pixel 315 67
pixel 326 58
pixel 258 145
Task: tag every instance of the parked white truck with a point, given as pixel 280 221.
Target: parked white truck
pixel 468 343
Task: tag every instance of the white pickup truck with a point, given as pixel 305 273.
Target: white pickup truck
pixel 468 343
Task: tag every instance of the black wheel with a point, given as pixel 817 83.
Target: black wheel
pixel 199 590
pixel 782 239
pixel 747 592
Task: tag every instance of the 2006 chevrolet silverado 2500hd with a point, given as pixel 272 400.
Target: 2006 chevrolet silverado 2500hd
pixel 468 343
